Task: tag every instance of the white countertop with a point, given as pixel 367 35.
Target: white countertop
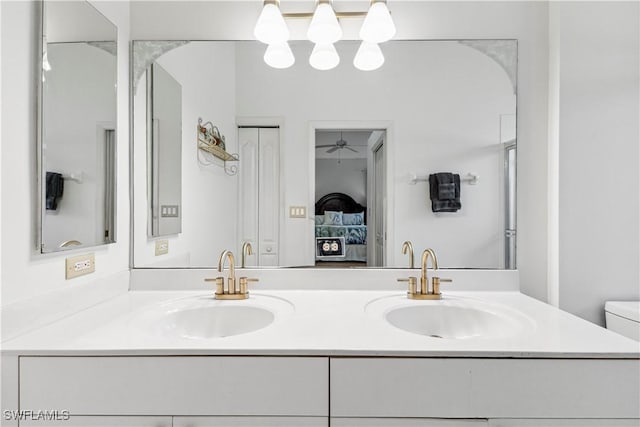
pixel 321 322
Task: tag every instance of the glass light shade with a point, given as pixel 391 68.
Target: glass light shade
pixel 324 27
pixel 324 57
pixel 378 26
pixel 279 55
pixel 271 28
pixel 369 57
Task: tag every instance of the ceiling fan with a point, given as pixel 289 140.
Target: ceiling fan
pixel 339 145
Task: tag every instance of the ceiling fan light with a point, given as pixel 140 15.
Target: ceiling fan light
pixel 271 27
pixel 324 57
pixel 324 27
pixel 378 26
pixel 369 57
pixel 279 56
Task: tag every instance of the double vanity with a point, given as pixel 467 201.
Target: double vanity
pixel 319 347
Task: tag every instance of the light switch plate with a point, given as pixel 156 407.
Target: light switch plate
pixel 162 247
pixel 297 211
pixel 79 265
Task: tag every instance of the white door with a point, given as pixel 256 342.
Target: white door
pixel 378 205
pixel 259 193
pixel 268 196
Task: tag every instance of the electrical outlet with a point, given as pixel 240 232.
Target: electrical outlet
pixel 79 265
pixel 162 247
pixel 297 212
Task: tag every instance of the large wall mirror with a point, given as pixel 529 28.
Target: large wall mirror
pixel 331 168
pixel 77 127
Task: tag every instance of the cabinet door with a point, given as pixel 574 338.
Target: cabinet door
pixel 82 421
pixel 405 422
pixel 250 422
pixel 193 385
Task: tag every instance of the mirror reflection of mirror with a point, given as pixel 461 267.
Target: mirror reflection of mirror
pixel 165 151
pixel 433 107
pixel 77 127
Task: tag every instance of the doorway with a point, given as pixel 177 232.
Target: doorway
pixel 349 196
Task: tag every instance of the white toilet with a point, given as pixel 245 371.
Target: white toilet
pixel 623 317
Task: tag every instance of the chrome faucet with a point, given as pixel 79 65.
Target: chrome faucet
pixel 408 247
pixel 424 292
pixel 246 250
pixel 232 292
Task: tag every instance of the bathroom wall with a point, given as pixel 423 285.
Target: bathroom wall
pixel 26 273
pixel 598 127
pixel 207 77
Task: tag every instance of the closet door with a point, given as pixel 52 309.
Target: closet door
pixel 248 191
pixel 259 198
pixel 268 195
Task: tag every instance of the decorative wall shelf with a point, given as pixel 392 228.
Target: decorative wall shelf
pixel 211 141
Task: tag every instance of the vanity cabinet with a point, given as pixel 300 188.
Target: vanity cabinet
pixel 173 386
pixel 476 388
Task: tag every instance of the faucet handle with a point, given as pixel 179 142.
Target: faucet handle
pixel 244 282
pixel 219 284
pixel 413 284
pixel 436 284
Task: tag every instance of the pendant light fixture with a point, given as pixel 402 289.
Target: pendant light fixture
pixel 324 57
pixel 279 56
pixel 369 57
pixel 271 28
pixel 324 30
pixel 378 27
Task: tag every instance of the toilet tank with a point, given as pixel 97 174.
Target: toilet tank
pixel 623 317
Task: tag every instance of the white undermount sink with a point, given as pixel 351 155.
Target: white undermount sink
pixel 203 317
pixel 452 318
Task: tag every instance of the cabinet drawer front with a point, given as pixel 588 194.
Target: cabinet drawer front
pixel 176 385
pixel 250 422
pixel 485 388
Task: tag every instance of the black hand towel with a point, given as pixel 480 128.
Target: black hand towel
pixel 54 190
pixel 444 190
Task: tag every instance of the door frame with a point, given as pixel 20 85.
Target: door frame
pixel 383 125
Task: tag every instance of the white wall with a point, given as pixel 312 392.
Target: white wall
pixel 80 75
pixel 444 99
pixel 348 177
pixel 598 81
pixel 209 196
pixel 525 21
pixel 25 272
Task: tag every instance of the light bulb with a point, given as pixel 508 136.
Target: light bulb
pixel 324 57
pixel 378 26
pixel 324 27
pixel 369 57
pixel 279 55
pixel 271 28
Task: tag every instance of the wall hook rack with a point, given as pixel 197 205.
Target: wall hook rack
pixel 212 141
